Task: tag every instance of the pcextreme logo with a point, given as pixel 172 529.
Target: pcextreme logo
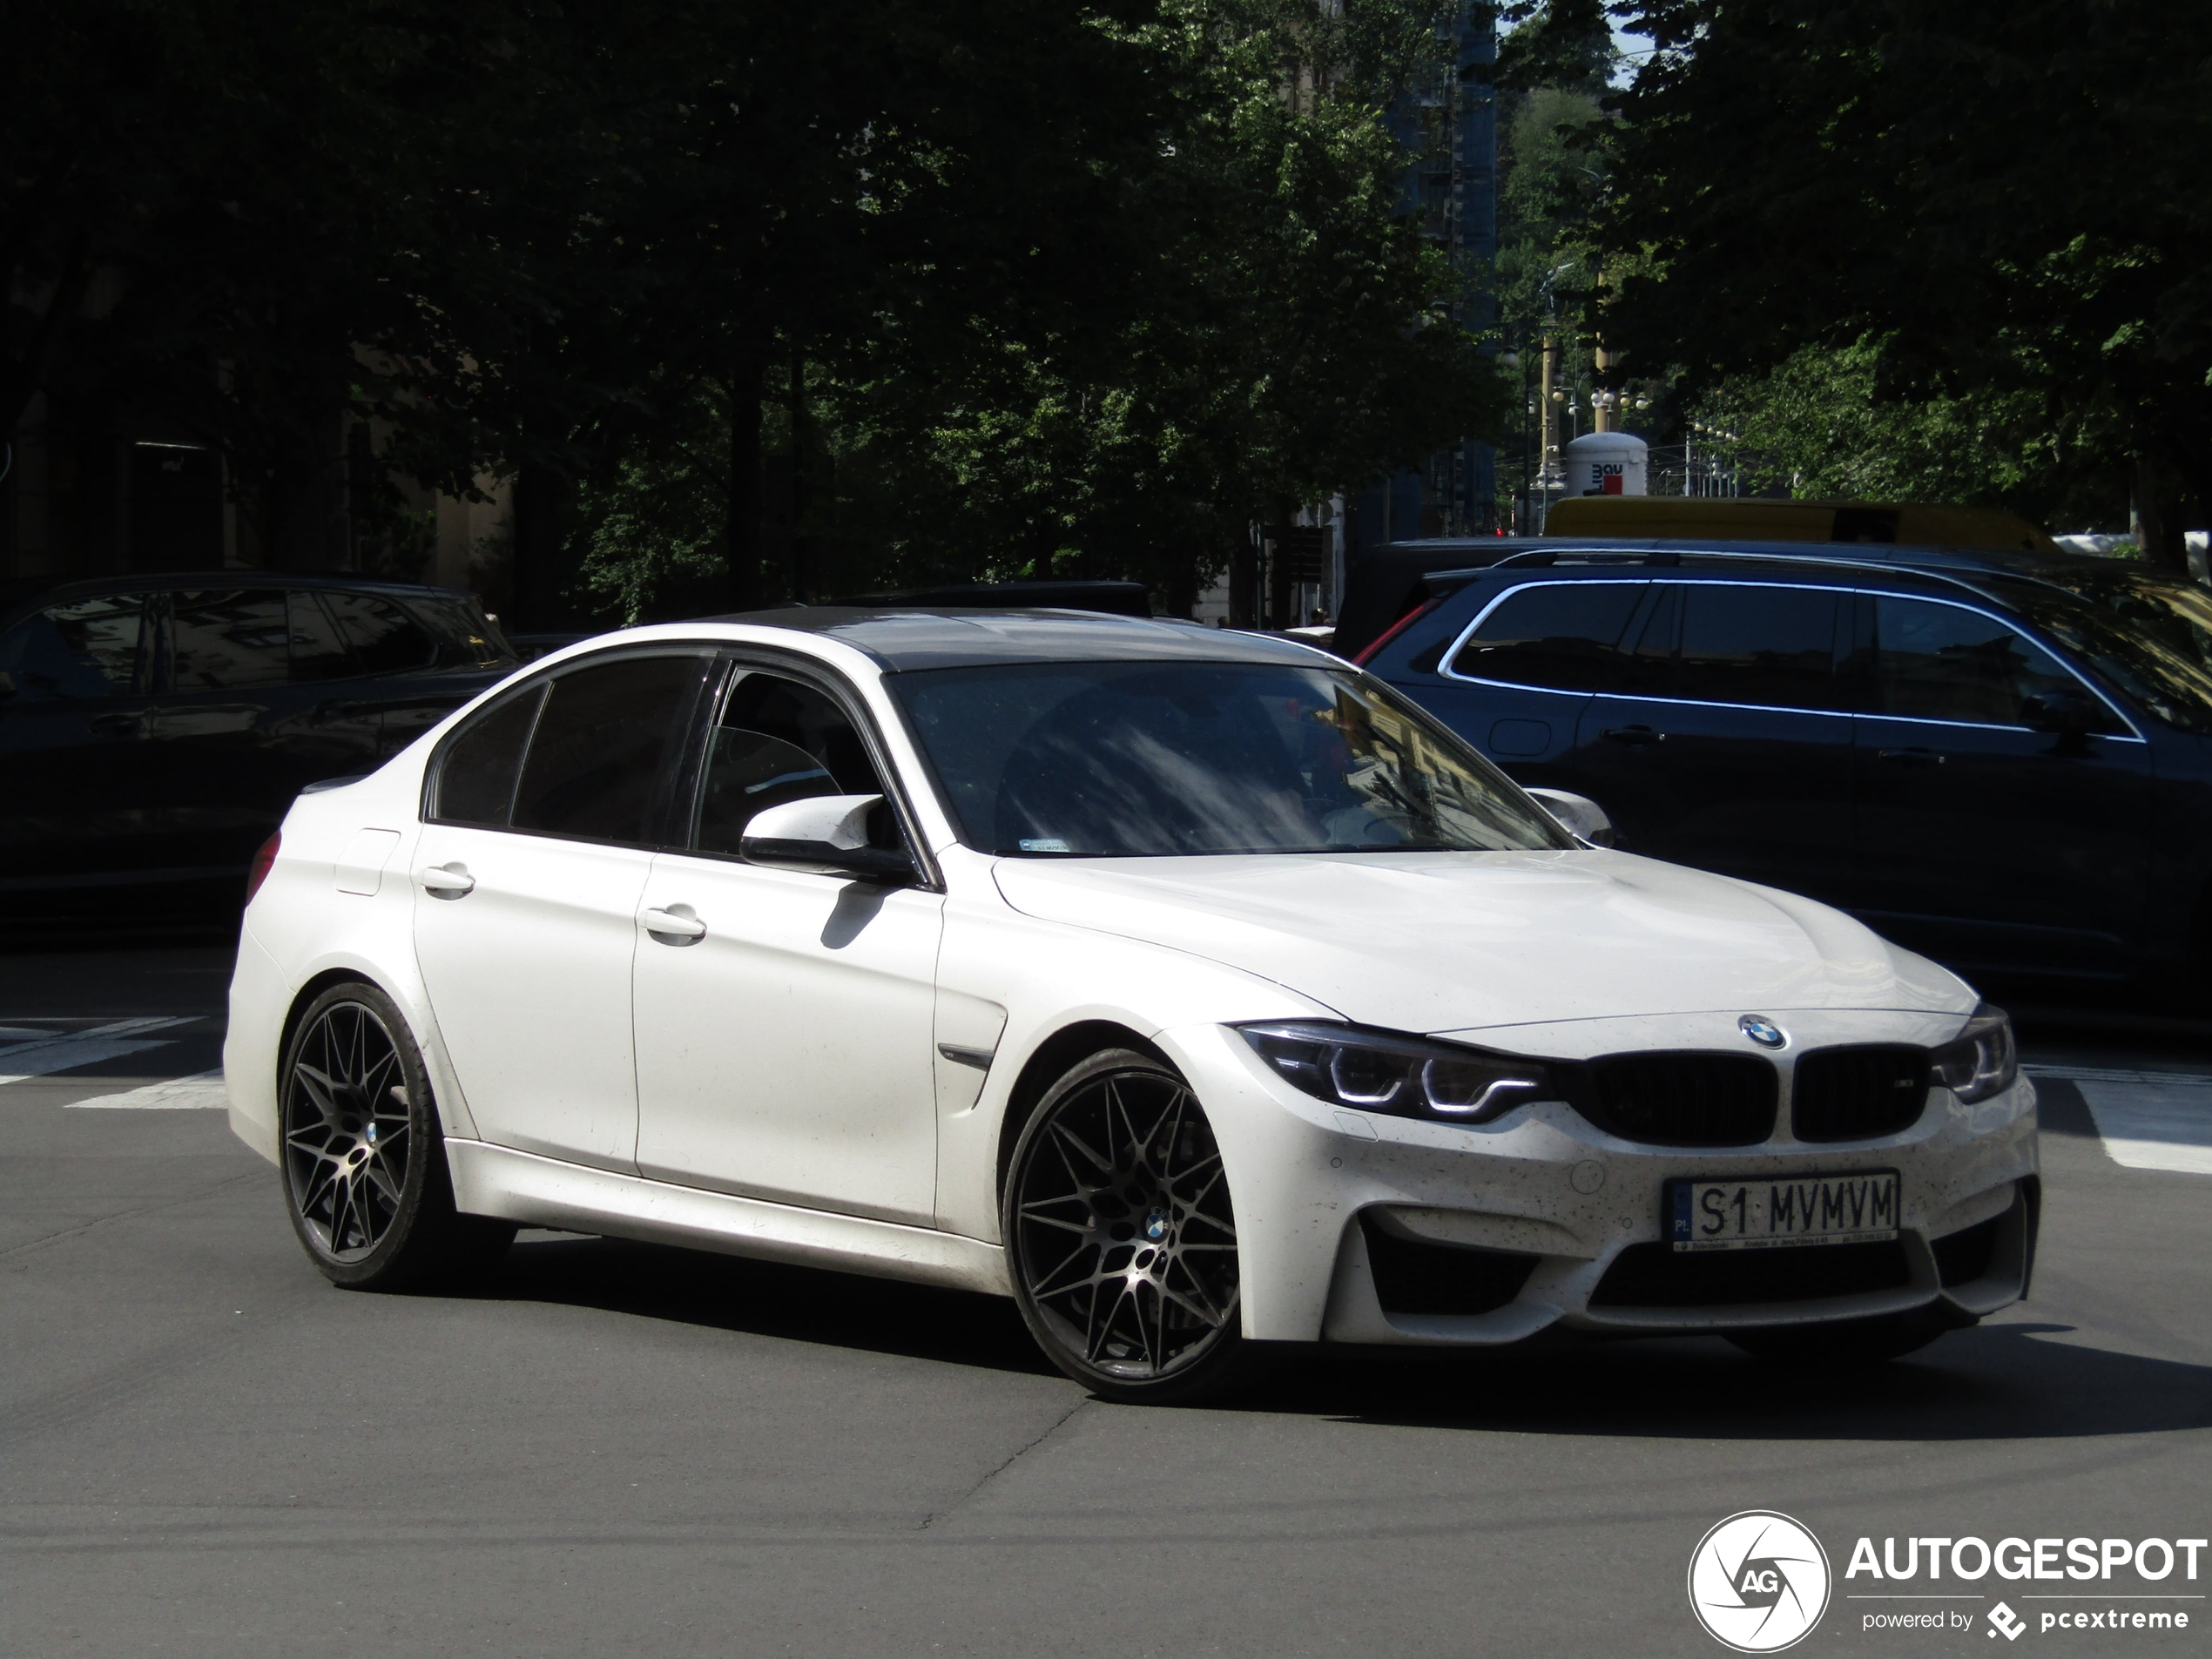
pixel 1758 1581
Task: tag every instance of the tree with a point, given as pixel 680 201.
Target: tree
pixel 2007 196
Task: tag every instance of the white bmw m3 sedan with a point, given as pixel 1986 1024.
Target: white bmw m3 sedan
pixel 1190 988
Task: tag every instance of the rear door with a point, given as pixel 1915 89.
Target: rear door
pixel 1991 845
pixel 73 724
pixel 545 810
pixel 1516 679
pixel 1732 750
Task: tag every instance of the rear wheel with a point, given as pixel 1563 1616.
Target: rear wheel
pixel 1121 1236
pixel 363 1158
pixel 1846 1342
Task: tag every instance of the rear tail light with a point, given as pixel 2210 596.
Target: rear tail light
pixel 1397 627
pixel 262 862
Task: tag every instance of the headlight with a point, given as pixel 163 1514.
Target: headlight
pixel 1380 1071
pixel 1980 1062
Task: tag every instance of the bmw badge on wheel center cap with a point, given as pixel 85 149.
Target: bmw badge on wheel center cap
pixel 1763 1031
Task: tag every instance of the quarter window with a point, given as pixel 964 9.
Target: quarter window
pixel 87 648
pixel 476 777
pixel 599 757
pixel 1935 662
pixel 1559 635
pixel 778 740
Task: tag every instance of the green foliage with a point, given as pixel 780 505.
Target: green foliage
pixel 2008 193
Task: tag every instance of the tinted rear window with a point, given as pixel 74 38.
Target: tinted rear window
pixel 476 777
pixel 1561 636
pixel 228 639
pixel 87 648
pixel 1746 644
pixel 599 757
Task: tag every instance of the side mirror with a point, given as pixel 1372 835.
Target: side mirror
pixel 824 835
pixel 1579 815
pixel 2067 713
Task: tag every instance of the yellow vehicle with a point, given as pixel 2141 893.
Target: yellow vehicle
pixel 1743 518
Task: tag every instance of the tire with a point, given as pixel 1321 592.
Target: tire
pixel 1121 1239
pixel 1847 1343
pixel 362 1156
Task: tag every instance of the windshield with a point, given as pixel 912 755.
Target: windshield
pixel 2151 636
pixel 1149 760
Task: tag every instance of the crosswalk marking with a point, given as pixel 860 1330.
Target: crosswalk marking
pixel 49 1052
pixel 201 1092
pixel 2147 1120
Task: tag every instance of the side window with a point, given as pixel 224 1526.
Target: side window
pixel 1559 636
pixel 1770 646
pixel 228 640
pixel 599 757
pixel 779 740
pixel 384 637
pixel 477 772
pixel 86 649
pixel 1936 662
pixel 317 653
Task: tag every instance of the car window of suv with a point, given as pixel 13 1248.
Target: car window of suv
pixel 318 652
pixel 1557 636
pixel 779 740
pixel 385 638
pixel 1944 662
pixel 228 639
pixel 601 752
pixel 1768 645
pixel 86 649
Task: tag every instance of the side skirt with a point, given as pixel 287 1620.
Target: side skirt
pixel 544 1192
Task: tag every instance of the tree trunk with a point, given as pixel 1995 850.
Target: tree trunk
pixel 741 538
pixel 1244 581
pixel 802 583
pixel 2158 515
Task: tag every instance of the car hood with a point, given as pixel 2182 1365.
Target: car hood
pixel 1451 941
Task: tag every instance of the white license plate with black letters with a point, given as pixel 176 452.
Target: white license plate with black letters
pixel 1858 1206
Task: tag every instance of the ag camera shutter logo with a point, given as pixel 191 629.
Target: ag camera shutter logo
pixel 1758 1581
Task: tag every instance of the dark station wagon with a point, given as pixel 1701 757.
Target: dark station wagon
pixel 153 730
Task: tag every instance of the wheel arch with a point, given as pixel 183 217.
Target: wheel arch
pixel 359 973
pixel 1051 1059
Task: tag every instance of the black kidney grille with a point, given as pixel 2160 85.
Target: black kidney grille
pixel 1679 1099
pixel 1857 1094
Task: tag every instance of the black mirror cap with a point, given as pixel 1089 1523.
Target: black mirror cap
pixel 890 866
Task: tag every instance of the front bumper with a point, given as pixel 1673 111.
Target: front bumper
pixel 1355 1227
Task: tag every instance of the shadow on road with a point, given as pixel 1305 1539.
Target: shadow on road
pixel 1992 1383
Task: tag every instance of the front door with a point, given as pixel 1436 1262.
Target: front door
pixel 545 808
pixel 784 1052
pixel 1733 753
pixel 1993 847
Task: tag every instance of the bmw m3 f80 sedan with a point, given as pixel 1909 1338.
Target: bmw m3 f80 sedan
pixel 1192 989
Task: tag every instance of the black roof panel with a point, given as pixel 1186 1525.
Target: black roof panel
pixel 907 639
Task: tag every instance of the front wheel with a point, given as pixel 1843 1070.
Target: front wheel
pixel 1121 1236
pixel 363 1158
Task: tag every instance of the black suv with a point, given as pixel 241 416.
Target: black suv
pixel 153 730
pixel 2002 761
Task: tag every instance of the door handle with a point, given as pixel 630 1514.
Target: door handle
pixel 447 881
pixel 1910 757
pixel 333 709
pixel 672 927
pixel 1632 734
pixel 120 726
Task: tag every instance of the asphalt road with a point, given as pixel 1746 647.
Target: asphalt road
pixel 616 1449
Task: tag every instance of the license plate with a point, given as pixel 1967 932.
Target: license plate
pixel 1858 1207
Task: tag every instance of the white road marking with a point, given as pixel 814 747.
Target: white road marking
pixel 203 1092
pixel 2148 1119
pixel 50 1052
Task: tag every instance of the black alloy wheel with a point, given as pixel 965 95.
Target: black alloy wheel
pixel 1121 1236
pixel 362 1157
